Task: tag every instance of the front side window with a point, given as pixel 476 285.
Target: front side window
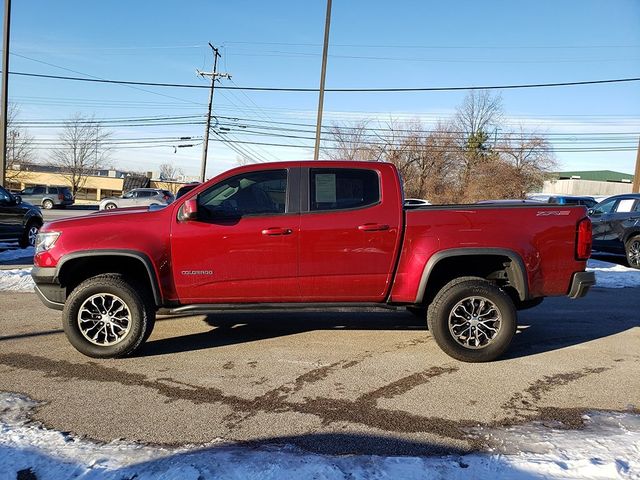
pixel 129 195
pixel 145 193
pixel 605 207
pixel 341 189
pixel 254 193
pixel 28 191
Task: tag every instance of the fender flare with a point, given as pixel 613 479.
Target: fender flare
pixel 142 257
pixel 518 274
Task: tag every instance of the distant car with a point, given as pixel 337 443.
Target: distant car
pixel 587 201
pixel 186 188
pixel 616 226
pixel 415 202
pixel 138 197
pixel 19 221
pixel 48 196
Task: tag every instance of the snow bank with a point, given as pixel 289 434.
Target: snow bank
pixel 611 275
pixel 16 280
pixel 16 253
pixel 609 447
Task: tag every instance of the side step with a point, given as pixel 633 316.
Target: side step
pixel 252 307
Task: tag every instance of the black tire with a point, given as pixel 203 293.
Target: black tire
pixel 140 318
pixel 47 204
pixel 449 300
pixel 420 312
pixel 632 250
pixel 28 238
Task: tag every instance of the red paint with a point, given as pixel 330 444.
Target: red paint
pixel 365 254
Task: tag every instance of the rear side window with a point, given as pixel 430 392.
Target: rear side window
pixel 53 190
pixel 145 193
pixel 341 189
pixel 625 205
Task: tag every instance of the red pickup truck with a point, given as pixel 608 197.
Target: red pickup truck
pixel 310 234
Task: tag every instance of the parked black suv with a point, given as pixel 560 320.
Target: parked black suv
pixel 616 226
pixel 19 221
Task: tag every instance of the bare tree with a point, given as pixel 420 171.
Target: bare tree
pixel 531 159
pixel 170 172
pixel 479 113
pixel 20 151
pixel 350 143
pixel 83 149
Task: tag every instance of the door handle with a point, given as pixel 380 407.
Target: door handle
pixel 373 227
pixel 277 231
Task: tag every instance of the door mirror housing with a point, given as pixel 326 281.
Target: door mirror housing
pixel 189 210
pixel 590 212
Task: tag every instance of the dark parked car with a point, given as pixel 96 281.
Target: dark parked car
pixel 48 196
pixel 19 221
pixel 588 202
pixel 616 226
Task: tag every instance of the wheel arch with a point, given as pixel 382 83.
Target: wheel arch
pixel 632 232
pixel 445 265
pixel 77 267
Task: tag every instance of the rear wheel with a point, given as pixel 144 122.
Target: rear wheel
pixel 29 235
pixel 472 320
pixel 107 317
pixel 632 249
pixel 47 204
pixel 110 206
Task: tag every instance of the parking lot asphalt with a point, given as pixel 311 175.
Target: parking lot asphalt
pixel 338 382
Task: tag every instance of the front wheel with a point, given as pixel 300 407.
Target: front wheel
pixel 472 320
pixel 107 317
pixel 632 249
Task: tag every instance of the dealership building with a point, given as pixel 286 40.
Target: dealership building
pixel 590 182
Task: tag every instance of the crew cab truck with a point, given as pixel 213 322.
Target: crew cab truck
pixel 310 234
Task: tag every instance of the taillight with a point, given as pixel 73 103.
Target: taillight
pixel 584 239
pixel 166 197
pixel 60 196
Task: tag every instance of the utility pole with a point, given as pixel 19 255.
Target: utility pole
pixel 636 177
pixel 323 73
pixel 4 97
pixel 214 76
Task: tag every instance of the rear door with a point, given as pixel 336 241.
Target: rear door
pixel 600 220
pixel 243 248
pixel 350 227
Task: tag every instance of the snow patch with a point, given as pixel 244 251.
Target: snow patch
pixel 611 275
pixel 16 253
pixel 16 280
pixel 608 447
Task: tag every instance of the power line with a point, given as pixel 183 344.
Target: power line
pixel 337 90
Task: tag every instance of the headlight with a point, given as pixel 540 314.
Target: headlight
pixel 45 241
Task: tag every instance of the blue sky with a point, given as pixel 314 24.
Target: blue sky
pixel 373 44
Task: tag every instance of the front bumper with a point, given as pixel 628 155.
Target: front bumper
pixel 581 283
pixel 47 287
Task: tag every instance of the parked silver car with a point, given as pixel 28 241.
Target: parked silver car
pixel 47 196
pixel 138 197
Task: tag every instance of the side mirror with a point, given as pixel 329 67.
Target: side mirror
pixel 189 210
pixel 590 212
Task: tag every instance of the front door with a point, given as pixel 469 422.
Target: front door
pixel 10 217
pixel 243 247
